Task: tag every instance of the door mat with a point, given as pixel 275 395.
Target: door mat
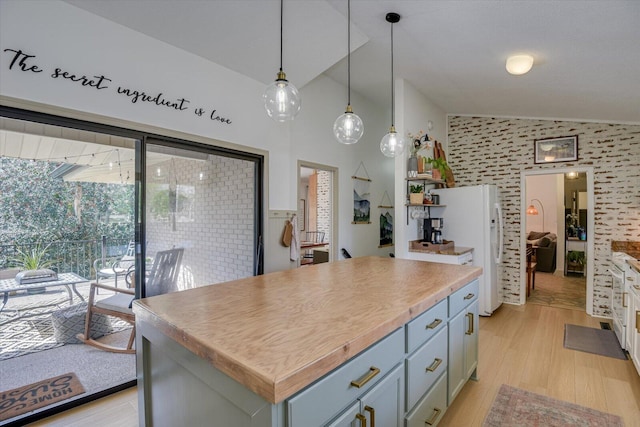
pixel 37 395
pixel 515 407
pixel 592 340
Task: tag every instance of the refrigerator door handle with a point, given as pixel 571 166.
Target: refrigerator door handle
pixel 500 233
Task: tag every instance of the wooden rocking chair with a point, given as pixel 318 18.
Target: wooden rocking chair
pixel 162 278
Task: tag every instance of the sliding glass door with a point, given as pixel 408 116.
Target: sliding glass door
pixel 201 216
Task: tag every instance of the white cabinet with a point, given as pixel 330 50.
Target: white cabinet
pixel 634 327
pixel 463 338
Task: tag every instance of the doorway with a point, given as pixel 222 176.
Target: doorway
pixel 557 221
pixel 317 213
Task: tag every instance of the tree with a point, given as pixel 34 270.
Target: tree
pixel 39 208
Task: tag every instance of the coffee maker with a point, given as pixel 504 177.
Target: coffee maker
pixel 432 230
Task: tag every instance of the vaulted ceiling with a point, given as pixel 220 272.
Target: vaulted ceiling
pixel 587 53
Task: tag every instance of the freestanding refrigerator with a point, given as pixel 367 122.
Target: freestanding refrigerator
pixel 472 217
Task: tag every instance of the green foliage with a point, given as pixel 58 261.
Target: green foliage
pixel 32 259
pixel 577 257
pixel 416 188
pixel 440 164
pixel 39 208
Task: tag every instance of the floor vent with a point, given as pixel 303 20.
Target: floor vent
pixel 605 325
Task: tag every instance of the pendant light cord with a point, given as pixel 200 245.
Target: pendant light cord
pixel 281 17
pixel 348 52
pixel 393 96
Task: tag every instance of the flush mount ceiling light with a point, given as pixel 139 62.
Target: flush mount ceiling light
pixel 519 64
pixel 392 144
pixel 348 127
pixel 572 175
pixel 281 98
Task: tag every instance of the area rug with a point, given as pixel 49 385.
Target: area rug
pixel 515 407
pixel 593 340
pixel 28 398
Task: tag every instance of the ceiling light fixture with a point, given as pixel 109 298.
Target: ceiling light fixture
pixel 519 64
pixel 572 175
pixel 348 127
pixel 392 144
pixel 281 98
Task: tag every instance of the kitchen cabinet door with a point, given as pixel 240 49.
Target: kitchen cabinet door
pixel 383 405
pixel 463 348
pixel 635 329
pixel 471 340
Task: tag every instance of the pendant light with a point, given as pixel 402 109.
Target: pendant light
pixel 348 127
pixel 281 98
pixel 392 144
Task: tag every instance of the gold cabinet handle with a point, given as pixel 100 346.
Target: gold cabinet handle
pixel 469 296
pixel 434 365
pixel 373 371
pixel 371 411
pixel 470 317
pixel 434 417
pixel 624 300
pixel 638 321
pixel 433 324
pixel 362 419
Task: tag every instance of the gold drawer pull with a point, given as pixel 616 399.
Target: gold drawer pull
pixel 469 296
pixel 434 417
pixel 372 411
pixel 434 365
pixel 638 321
pixel 433 324
pixel 470 317
pixel 373 371
pixel 362 419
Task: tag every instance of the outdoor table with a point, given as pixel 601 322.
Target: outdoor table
pixel 64 279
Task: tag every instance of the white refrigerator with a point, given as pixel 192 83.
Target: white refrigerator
pixel 472 217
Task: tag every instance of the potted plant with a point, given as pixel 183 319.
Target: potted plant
pixel 416 195
pixel 33 262
pixel 416 143
pixel 575 260
pixel 439 167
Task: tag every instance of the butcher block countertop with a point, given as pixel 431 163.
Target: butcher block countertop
pixel 279 332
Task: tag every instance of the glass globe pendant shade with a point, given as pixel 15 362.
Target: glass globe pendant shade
pixel 348 128
pixel 392 144
pixel 281 99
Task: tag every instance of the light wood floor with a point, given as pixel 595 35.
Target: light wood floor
pixel 519 345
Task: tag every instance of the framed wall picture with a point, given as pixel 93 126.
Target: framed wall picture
pixel 554 150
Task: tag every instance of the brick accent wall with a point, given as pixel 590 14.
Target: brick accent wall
pixel 484 150
pixel 218 242
pixel 324 203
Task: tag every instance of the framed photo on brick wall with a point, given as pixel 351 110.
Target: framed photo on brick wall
pixel 554 150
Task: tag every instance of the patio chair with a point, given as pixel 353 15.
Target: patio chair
pixel 162 278
pixel 113 268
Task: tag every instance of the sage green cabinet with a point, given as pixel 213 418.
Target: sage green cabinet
pixel 383 405
pixel 463 338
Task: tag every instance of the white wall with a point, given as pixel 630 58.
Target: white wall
pixel 545 189
pixel 61 35
pixel 413 112
pixel 313 141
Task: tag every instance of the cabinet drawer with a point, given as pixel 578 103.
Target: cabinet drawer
pixel 423 327
pixel 430 410
pixel 425 366
pixel 463 297
pixel 322 400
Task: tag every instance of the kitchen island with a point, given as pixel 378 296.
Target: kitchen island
pixel 266 350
